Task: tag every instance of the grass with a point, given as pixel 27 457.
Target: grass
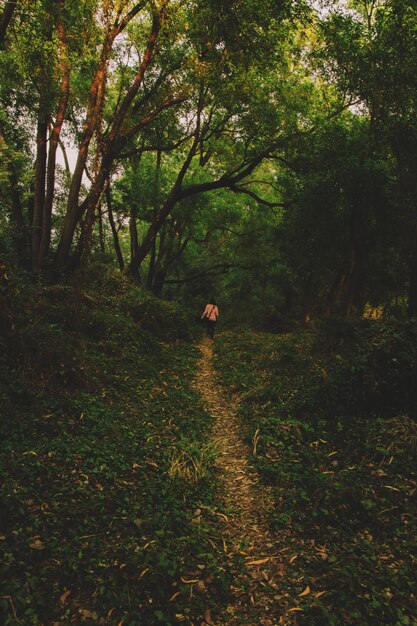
pixel 326 420
pixel 96 525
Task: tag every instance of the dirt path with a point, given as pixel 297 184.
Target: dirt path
pixel 256 598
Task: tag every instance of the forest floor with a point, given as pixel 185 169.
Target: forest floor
pixel 255 592
pixel 149 478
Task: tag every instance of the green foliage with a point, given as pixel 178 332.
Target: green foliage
pixel 95 525
pixel 333 415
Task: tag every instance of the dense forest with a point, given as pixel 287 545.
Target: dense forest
pixel 156 156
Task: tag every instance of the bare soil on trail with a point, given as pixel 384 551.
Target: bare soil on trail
pixel 255 594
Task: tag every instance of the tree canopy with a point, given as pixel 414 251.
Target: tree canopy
pixel 268 144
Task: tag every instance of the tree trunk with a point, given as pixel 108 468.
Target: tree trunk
pixel 6 18
pixel 95 104
pixel 94 113
pixel 100 230
pixel 54 138
pixel 159 282
pixel 334 293
pixel 155 202
pixel 39 188
pixel 134 247
pixel 116 242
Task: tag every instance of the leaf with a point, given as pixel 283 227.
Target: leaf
pixel 37 544
pixel 292 559
pixel 306 591
pixel 64 597
pixel 174 595
pixel 207 616
pixel 296 608
pixel 258 561
pixel 190 582
pixel 142 574
pixel 319 594
pixel 392 488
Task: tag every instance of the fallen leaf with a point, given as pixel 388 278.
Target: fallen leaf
pixel 207 616
pixel 306 591
pixel 296 608
pixel 258 561
pixel 174 595
pixel 37 545
pixel 190 582
pixel 142 574
pixel 319 594
pixel 389 487
pixel 64 597
pixel 292 559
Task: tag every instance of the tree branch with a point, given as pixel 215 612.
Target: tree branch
pixel 255 196
pixel 151 116
pixel 221 269
pixel 166 148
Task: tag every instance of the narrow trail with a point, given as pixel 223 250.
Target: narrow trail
pixel 255 595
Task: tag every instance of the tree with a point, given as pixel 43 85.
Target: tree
pixel 372 53
pixel 156 63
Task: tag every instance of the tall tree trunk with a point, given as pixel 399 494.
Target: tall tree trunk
pixel 134 248
pixel 5 20
pixel 39 187
pixel 155 202
pixel 116 242
pixel 94 112
pixel 100 230
pixel 160 255
pixel 55 136
pixel 334 293
pixel 95 104
pixel 151 268
pixel 159 282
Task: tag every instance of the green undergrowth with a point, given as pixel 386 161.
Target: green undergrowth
pixel 107 506
pixel 330 417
